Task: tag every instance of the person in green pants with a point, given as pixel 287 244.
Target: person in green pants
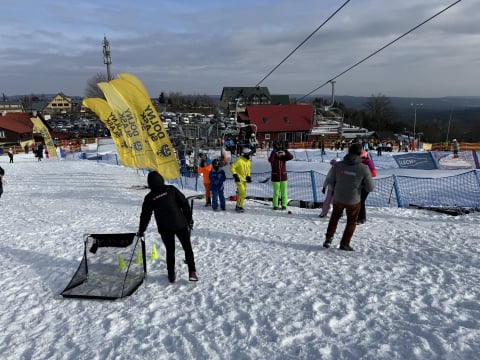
pixel 278 160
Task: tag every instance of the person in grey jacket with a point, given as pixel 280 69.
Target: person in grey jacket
pixel 348 179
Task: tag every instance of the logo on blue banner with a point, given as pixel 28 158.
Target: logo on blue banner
pixel 420 161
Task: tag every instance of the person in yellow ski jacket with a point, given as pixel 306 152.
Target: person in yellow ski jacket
pixel 241 174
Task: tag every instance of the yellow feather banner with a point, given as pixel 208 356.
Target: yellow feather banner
pixel 135 81
pixel 142 154
pixel 136 96
pixel 40 128
pixel 113 124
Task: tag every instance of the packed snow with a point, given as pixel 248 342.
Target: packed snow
pixel 267 289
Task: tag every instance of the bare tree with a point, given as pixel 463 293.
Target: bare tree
pixel 92 90
pixel 380 111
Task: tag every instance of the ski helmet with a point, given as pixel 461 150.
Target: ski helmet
pixel 246 151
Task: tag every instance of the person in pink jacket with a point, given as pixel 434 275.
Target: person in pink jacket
pixel 327 190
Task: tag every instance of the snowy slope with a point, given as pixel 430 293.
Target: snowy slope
pixel 267 289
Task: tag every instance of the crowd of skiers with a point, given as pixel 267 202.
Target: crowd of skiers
pixel 347 185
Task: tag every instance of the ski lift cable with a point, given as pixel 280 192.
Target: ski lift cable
pixel 303 42
pixel 382 48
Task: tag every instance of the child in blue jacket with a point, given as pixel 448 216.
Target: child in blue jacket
pixel 217 178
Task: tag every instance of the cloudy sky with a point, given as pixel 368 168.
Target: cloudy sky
pixel 198 47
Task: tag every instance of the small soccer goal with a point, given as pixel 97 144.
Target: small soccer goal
pixel 113 266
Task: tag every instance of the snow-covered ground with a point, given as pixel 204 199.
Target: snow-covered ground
pixel 267 289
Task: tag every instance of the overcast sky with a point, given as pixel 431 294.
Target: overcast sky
pixel 198 47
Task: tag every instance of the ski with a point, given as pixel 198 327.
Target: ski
pixel 265 181
pixel 449 210
pixel 138 187
pixel 305 204
pixel 198 197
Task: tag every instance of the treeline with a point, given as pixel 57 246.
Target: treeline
pixel 178 102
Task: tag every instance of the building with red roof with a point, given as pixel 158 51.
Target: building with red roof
pixel 15 127
pixel 290 123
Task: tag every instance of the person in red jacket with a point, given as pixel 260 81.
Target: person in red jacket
pixel 362 215
pixel 278 161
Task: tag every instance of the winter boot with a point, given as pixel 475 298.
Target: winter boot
pixel 192 276
pixel 346 247
pixel 327 243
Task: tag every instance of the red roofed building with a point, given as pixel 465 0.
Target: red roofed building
pixel 280 122
pixel 15 128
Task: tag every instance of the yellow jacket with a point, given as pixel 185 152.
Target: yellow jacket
pixel 241 167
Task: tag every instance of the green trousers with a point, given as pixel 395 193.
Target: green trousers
pixel 280 189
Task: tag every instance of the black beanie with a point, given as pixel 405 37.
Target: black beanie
pixel 355 149
pixel 155 180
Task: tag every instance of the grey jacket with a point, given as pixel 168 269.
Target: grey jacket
pixel 348 178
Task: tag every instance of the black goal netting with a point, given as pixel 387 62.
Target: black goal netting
pixel 113 266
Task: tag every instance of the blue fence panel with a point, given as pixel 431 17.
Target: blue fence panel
pixel 261 186
pixel 319 179
pixel 108 159
pixel 300 186
pixel 299 155
pixel 459 190
pixel 384 193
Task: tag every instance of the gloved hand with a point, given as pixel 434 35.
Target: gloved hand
pixel 190 224
pixel 236 178
pixel 323 190
pixel 140 234
pixel 249 179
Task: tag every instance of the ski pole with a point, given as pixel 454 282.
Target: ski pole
pixel 391 192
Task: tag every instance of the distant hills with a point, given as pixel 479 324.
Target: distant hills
pixel 440 109
pixel 439 104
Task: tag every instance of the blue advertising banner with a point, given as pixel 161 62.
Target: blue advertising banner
pixel 417 160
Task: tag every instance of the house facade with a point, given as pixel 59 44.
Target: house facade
pixel 59 104
pixel 16 128
pixel 235 98
pixel 7 106
pixel 290 123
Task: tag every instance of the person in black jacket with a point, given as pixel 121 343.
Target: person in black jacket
pixel 173 216
pixel 2 173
